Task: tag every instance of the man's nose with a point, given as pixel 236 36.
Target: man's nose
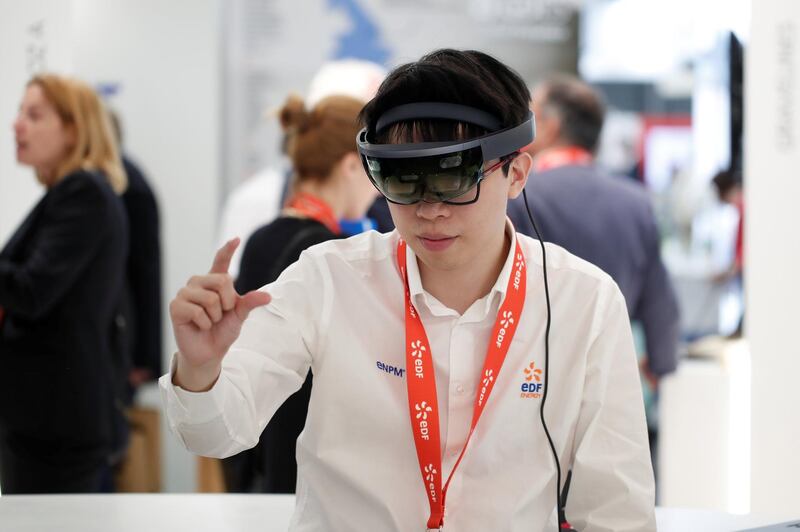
pixel 431 208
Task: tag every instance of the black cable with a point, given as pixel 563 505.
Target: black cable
pixel 562 519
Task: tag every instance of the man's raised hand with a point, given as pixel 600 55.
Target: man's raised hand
pixel 207 316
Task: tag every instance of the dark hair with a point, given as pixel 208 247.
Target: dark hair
pixel 726 180
pixel 580 108
pixel 463 77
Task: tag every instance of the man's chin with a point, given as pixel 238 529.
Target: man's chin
pixel 439 261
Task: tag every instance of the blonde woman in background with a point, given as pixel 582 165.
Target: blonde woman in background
pixel 61 275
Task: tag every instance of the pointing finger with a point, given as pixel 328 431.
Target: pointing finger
pixel 222 260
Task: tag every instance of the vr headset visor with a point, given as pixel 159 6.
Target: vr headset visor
pixel 439 171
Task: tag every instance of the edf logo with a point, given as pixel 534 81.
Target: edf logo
pixel 532 385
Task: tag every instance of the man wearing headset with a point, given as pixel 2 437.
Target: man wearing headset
pixel 431 345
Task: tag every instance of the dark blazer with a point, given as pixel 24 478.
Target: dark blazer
pixel 61 276
pixel 609 222
pixel 144 271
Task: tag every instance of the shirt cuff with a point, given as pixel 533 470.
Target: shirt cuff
pixel 191 408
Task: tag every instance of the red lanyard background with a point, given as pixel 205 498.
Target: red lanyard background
pixel 423 405
pixel 563 156
pixel 312 207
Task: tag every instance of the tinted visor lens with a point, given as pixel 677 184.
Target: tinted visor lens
pixel 435 178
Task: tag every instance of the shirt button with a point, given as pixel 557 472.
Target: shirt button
pixel 459 388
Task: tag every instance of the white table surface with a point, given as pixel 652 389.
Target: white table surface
pixel 237 513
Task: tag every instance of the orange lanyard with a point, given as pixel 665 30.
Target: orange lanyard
pixel 312 207
pixel 423 405
pixel 555 157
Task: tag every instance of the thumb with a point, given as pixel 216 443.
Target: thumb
pixel 250 301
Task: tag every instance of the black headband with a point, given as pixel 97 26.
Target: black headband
pixel 448 111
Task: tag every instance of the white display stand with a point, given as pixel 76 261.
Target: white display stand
pixel 704 427
pixel 772 249
pixel 238 513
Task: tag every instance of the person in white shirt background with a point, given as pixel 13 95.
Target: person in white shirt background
pixel 409 409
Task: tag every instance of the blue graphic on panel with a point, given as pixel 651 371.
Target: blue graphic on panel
pixel 363 40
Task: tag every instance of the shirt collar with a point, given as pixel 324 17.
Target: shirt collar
pixel 420 295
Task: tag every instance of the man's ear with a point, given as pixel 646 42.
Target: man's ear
pixel 518 174
pixel 548 131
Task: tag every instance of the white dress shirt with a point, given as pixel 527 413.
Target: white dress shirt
pixel 339 311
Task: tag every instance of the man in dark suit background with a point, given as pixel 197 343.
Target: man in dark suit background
pixel 603 219
pixel 140 319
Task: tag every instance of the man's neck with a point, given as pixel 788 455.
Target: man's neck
pixel 458 289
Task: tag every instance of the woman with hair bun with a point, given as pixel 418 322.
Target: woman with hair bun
pixel 61 275
pixel 329 184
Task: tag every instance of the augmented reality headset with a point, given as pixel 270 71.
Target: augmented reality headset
pixel 439 171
